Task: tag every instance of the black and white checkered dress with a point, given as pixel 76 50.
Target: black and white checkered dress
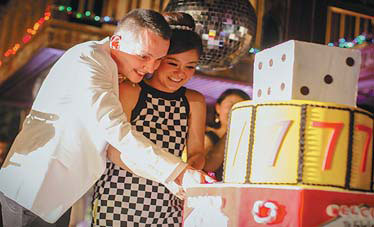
pixel 125 199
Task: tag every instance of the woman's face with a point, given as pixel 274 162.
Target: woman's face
pixel 175 70
pixel 223 109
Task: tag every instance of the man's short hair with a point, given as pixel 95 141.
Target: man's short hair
pixel 138 19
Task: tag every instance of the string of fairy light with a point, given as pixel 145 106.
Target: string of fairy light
pixel 33 30
pixel 356 41
pixel 342 42
pixel 90 16
pixel 30 32
pixel 87 15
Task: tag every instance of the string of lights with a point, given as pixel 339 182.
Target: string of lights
pixel 342 42
pixel 68 10
pixel 87 15
pixel 30 32
pixel 363 38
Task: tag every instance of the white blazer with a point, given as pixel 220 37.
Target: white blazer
pixel 60 151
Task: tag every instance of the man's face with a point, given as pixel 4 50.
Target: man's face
pixel 138 54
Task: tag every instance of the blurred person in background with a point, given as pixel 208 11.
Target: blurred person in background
pixel 215 133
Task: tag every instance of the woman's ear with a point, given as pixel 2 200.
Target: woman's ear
pixel 217 108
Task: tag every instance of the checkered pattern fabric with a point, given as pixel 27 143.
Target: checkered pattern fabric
pixel 122 198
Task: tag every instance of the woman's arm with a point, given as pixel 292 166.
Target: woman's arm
pixel 215 155
pixel 196 129
pixel 208 143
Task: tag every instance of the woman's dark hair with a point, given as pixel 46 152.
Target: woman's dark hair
pixel 183 36
pixel 233 91
pixel 226 93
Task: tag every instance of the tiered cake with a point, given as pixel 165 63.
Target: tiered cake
pixel 300 153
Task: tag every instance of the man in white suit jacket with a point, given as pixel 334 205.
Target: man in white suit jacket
pixel 60 151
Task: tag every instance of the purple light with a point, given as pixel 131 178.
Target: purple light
pixel 212 88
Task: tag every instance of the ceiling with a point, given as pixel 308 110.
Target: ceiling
pixel 212 88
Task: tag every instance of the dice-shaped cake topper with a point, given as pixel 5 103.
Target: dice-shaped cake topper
pixel 297 70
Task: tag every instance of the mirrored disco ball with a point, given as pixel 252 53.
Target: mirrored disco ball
pixel 227 28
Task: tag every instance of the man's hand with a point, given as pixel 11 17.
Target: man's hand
pixel 190 177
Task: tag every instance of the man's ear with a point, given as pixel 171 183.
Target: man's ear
pixel 114 42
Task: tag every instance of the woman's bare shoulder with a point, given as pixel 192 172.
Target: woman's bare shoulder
pixel 195 96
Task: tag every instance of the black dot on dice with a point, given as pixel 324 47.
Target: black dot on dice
pixel 328 79
pixel 350 61
pixel 284 57
pixel 304 90
pixel 283 86
pixel 269 90
pixel 260 65
pixel 259 93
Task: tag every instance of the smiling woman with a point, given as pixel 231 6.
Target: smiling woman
pixel 175 70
